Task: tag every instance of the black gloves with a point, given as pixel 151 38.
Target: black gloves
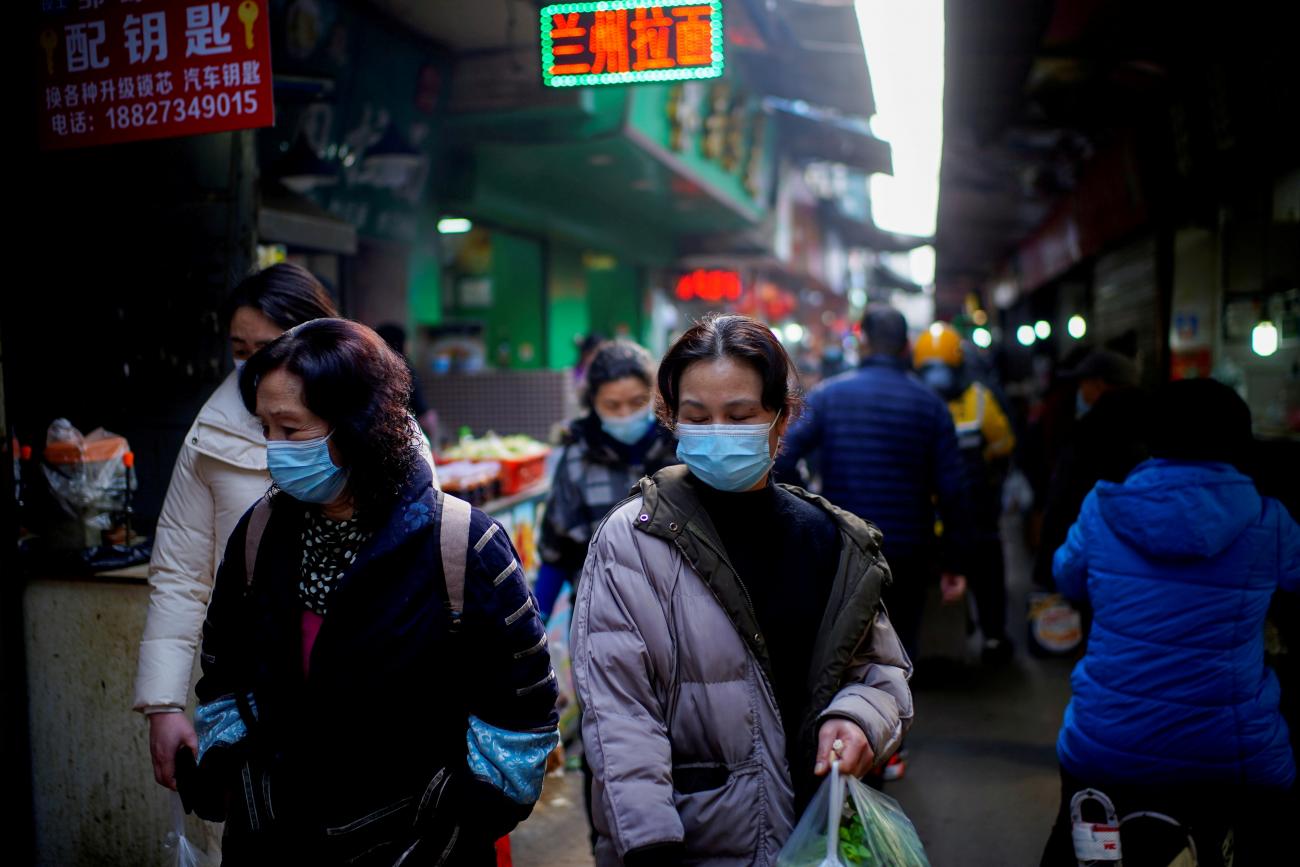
pixel 657 855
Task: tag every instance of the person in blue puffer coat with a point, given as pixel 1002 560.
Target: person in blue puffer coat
pixel 1173 708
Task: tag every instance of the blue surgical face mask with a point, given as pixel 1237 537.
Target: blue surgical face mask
pixel 941 378
pixel 305 471
pixel 727 457
pixel 629 429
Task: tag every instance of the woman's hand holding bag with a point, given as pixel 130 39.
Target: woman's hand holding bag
pixel 843 741
pixel 848 824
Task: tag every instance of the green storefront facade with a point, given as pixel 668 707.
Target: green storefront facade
pixel 586 204
pixel 583 201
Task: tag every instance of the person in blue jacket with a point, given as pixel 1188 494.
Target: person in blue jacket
pixel 1173 708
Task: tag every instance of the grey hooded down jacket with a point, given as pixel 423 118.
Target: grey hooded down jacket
pixel 674 679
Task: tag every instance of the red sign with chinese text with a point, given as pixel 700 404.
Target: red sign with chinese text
pixel 126 70
pixel 625 41
pixel 710 286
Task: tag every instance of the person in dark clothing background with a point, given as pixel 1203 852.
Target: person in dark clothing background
pixel 587 347
pixel 1108 440
pixel 986 441
pixel 395 336
pixel 888 451
pixel 368 616
pixel 604 452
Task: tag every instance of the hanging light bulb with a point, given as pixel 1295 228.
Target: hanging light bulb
pixel 1025 334
pixel 1263 338
pixel 1077 326
pixel 1042 329
pixel 454 226
pixel 982 337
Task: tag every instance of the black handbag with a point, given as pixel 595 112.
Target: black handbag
pixel 233 781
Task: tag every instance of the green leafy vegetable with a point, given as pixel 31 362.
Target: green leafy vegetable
pixel 853 842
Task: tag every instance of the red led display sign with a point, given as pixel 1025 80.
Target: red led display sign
pixel 709 285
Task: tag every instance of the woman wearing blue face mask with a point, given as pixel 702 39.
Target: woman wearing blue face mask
pixel 605 451
pixel 376 687
pixel 729 641
pixel 220 471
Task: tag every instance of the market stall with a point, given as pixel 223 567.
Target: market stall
pixel 505 477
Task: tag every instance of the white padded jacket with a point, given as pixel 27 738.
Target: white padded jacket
pixel 219 474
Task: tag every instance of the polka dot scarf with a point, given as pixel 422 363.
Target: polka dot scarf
pixel 328 549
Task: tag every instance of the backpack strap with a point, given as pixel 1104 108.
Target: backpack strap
pixel 253 536
pixel 453 537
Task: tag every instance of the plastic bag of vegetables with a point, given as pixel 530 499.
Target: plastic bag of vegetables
pixel 849 824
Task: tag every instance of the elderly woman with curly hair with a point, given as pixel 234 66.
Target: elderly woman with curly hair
pixel 376 686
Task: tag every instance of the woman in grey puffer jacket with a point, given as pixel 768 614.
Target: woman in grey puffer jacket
pixel 729 640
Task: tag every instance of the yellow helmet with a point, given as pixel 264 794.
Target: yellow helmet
pixel 939 342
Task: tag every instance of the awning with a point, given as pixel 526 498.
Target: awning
pixel 815 134
pixel 884 277
pixel 856 233
pixel 816 56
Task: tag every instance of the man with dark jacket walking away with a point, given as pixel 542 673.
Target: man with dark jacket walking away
pixel 986 441
pixel 888 453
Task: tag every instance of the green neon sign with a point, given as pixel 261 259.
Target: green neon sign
pixel 631 41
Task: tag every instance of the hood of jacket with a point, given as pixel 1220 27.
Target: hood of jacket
pixel 226 431
pixel 1154 507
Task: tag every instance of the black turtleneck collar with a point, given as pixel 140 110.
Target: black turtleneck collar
pixel 763 498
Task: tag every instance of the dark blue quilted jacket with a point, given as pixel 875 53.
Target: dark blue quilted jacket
pixel 888 454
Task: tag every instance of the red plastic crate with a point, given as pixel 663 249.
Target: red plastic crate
pixel 519 475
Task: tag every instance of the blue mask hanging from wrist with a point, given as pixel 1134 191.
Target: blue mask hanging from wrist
pixel 305 471
pixel 727 457
pixel 630 429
